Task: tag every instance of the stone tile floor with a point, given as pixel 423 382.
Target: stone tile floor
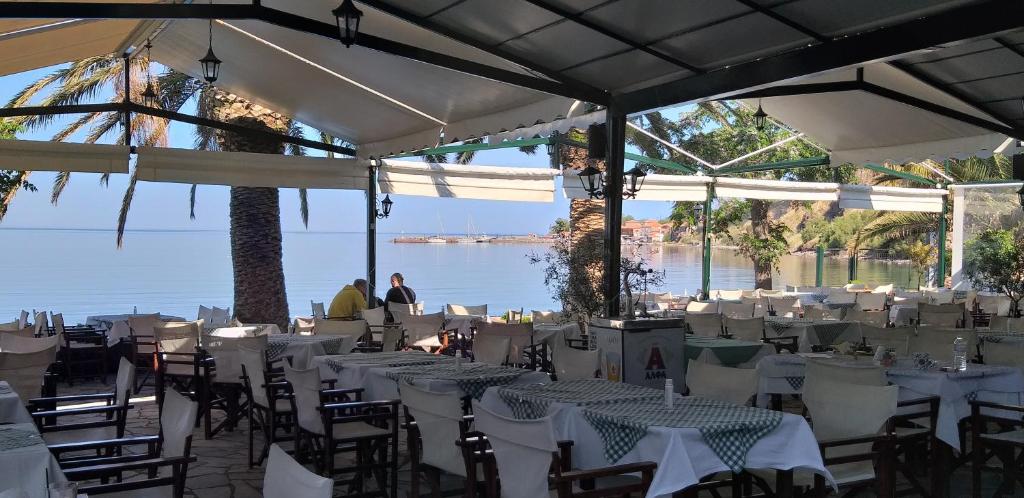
pixel 222 470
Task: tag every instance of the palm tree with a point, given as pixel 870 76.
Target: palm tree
pixel 255 212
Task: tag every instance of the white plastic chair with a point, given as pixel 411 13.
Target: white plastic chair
pixel 704 324
pixel 318 310
pixel 460 310
pixel 744 329
pixel 731 385
pixel 285 478
pixel 573 364
pixel 24 371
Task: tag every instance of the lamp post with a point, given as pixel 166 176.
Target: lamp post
pixel 347 17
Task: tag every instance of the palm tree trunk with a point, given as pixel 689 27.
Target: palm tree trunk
pixel 759 227
pixel 256 254
pixel 586 216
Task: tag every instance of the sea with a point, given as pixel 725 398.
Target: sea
pixel 81 272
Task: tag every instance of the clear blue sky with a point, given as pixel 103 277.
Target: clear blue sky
pixel 87 204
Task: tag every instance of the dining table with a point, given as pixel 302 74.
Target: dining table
pixel 724 351
pixel 811 333
pixel 303 348
pixel 116 325
pixel 612 423
pixel 12 410
pixel 26 465
pixel 468 379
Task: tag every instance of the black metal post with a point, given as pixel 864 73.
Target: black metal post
pixel 614 167
pixel 371 235
pixel 127 100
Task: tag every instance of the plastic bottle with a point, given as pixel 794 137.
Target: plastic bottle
pixel 960 354
pixel 669 393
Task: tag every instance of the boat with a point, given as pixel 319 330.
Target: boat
pixel 436 240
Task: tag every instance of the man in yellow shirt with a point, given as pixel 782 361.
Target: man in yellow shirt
pixel 349 301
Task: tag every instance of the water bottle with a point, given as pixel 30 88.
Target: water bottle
pixel 458 360
pixel 669 393
pixel 960 354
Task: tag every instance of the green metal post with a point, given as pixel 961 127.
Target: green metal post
pixel 852 266
pixel 942 245
pixel 819 266
pixel 705 283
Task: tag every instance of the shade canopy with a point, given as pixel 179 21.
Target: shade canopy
pixel 245 169
pixel 775 190
pixel 27 155
pixel 892 198
pixel 466 182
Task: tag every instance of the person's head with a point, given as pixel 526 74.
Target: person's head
pixel 397 279
pixel 360 284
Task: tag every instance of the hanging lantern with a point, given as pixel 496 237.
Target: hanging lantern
pixel 149 97
pixel 1020 197
pixel 210 62
pixel 632 180
pixel 347 17
pixel 552 147
pixel 593 182
pixel 698 210
pixel 385 206
pixel 760 118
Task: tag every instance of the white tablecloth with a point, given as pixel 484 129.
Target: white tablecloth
pixel 354 373
pixel 682 455
pixel 117 325
pixel 378 386
pixel 783 374
pixel 25 467
pixel 11 409
pixel 246 330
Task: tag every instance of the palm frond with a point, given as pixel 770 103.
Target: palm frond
pixel 295 131
pixel 206 138
pixel 26 94
pixel 126 204
pixel 8 197
pixel 59 183
pixel 192 202
pixel 466 157
pixel 75 91
pixel 73 127
pixel 528 149
pixel 105 179
pixel 435 158
pixel 900 225
pixel 104 126
pixel 328 139
pixel 175 89
pixel 304 207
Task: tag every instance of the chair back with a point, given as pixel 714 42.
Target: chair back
pixel 306 389
pixel 25 333
pixel 398 310
pixel 574 364
pixel 318 309
pixel 219 316
pixel 24 342
pixel 58 324
pixel 995 305
pixel 841 296
pixel 939 296
pixel 177 416
pixel 205 314
pixel 853 287
pixel 303 326
pixel 422 327
pixel 546 317
pixel 1006 354
pixel 143 324
pixel 391 336
pixel 515 316
pixel 41 324
pixel 728 295
pixel 350 328
pixel 938 342
pixel 731 385
pixel 227 355
pixel 704 324
pixel 744 329
pixel 943 320
pixel 523 451
pixel 871 301
pixel 520 336
pixel 285 478
pixel 24 371
pixel 883 289
pixel 23 319
pixel 840 410
pixel 178 337
pixel 823 314
pixel 490 348
pixel 702 307
pixel 254 366
pixel 867 374
pixel 458 309
pixel 878 318
pixel 897 339
pixel 737 310
pixel 374 317
pixel 1006 324
pixel 125 381
pixel 9 326
pixel 438 416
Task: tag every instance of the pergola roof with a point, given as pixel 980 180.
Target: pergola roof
pixel 478 67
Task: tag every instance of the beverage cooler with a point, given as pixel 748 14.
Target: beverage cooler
pixel 641 352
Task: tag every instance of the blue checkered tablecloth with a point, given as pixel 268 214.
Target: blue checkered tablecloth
pixel 387 359
pixel 472 378
pixel 532 401
pixel 729 430
pixel 278 344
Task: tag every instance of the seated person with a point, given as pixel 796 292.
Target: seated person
pixel 349 301
pixel 399 293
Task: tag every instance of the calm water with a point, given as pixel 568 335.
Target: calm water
pixel 80 273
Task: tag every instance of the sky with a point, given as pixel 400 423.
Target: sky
pixel 85 204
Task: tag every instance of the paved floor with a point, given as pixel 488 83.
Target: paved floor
pixel 222 470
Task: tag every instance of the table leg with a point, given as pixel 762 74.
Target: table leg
pixel 784 483
pixel 942 455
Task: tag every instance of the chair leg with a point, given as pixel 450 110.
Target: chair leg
pixel 977 461
pixel 252 423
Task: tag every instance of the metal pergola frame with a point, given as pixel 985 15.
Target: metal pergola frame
pixel 957 25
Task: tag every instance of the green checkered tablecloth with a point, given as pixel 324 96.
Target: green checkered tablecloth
pixel 729 430
pixel 826 332
pixel 278 344
pixel 472 378
pixel 531 401
pixel 388 359
pixel 730 352
pixel 13 438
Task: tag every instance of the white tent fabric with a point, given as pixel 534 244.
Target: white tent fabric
pixel 246 169
pixel 546 129
pixel 27 155
pixel 891 198
pixel 690 188
pixel 860 127
pixel 775 190
pixel 466 182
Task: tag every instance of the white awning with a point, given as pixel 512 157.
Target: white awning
pixel 26 155
pixel 690 188
pixel 246 169
pixel 467 182
pixel 775 190
pixel 926 200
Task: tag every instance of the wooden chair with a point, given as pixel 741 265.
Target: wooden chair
pixel 1002 445
pixel 226 380
pixel 570 363
pixel 286 478
pixel 318 310
pixel 143 346
pixel 25 372
pixel 731 385
pixel 183 366
pixel 704 324
pixel 82 346
pixel 423 331
pixel 270 406
pixel 744 329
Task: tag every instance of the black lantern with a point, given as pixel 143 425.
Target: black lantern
pixel 760 118
pixel 385 208
pixel 210 62
pixel 1020 196
pixel 698 211
pixel 593 182
pixel 149 97
pixel 552 148
pixel 347 17
pixel 632 180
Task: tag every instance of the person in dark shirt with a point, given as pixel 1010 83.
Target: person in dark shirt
pixel 399 293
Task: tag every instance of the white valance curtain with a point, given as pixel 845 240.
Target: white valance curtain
pixel 246 169
pixel 924 200
pixel 27 155
pixel 775 190
pixel 466 182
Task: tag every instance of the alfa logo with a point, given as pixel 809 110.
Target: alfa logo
pixel 655 364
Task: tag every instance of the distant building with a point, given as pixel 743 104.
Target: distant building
pixel 645 230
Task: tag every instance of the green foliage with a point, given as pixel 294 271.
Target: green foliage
pixel 11 180
pixel 995 261
pixel 768 250
pixel 728 213
pixel 628 217
pixel 559 227
pixel 839 231
pixel 570 274
pixel 921 256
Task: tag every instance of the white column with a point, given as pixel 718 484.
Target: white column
pixel 959 205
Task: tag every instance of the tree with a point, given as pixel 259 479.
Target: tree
pixel 255 213
pixel 10 180
pixel 921 256
pixel 559 227
pixel 995 262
